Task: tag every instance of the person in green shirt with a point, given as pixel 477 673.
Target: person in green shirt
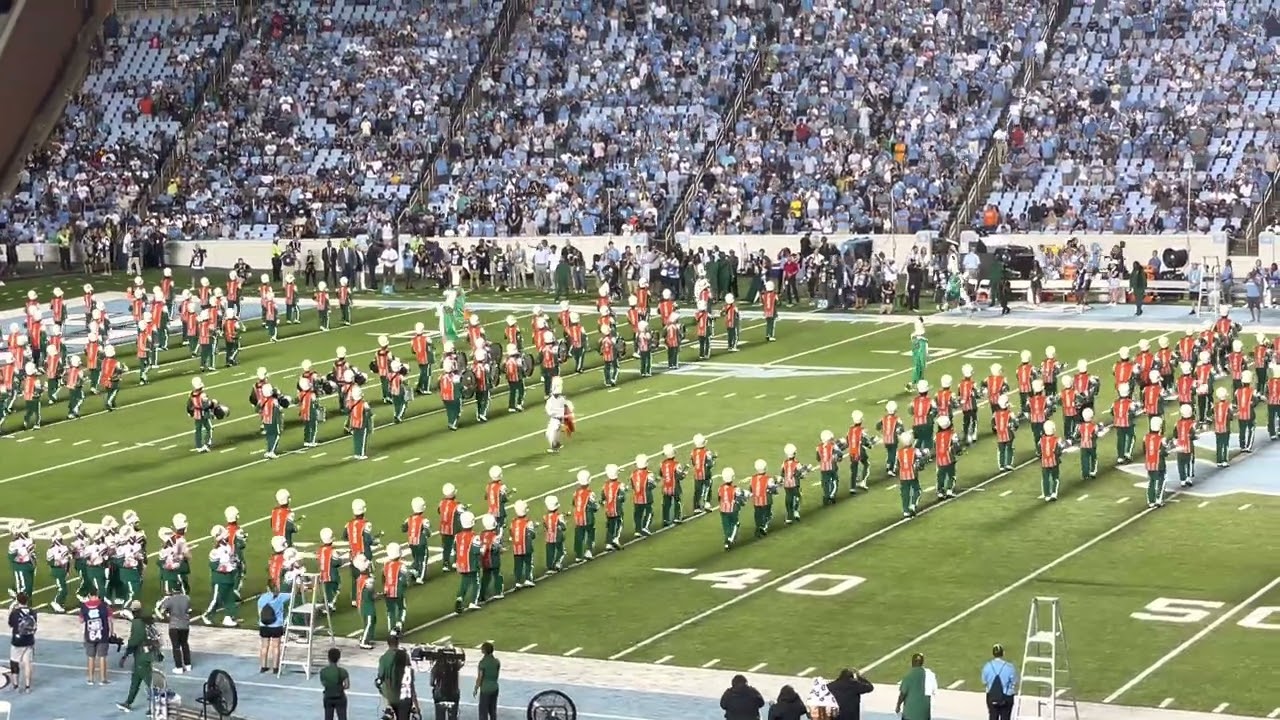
pixel 487 671
pixel 144 646
pixel 1138 285
pixel 336 682
pixel 915 692
pixel 395 680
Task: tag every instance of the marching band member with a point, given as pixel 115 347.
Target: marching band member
pixel 1086 385
pixel 344 300
pixel 634 316
pixel 614 497
pixel 923 414
pixel 59 558
pixel 610 348
pixel 584 520
pixel 224 568
pixel 160 314
pixel 1204 377
pixel 1123 411
pixel 395 583
pixel 239 540
pixel 184 551
pixel 701 462
pixel 396 373
pixel 8 390
pixel 644 348
pixel 359 424
pixel 483 382
pixel 944 402
pixel 1155 450
pixel 1144 362
pixel 468 565
pixel 769 303
pixel 417 529
pixel 762 488
pixel 270 316
pixel 666 307
pixel 919 353
pixel 792 473
pixel 556 407
pixel 945 451
pixel 671 475
pixel 358 534
pixel 364 590
pixel 450 512
pixel 321 298
pixel 523 533
pixel 1235 364
pixel 909 461
pixel 553 527
pixel 642 296
pixel 703 320
pixel 292 315
pixel 576 337
pixel 602 299
pixel 475 331
pixel 451 389
pixel 828 456
pixel 112 372
pixel 201 412
pixel 170 562
pixel 1049 448
pixel 673 335
pixel 1153 394
pixel 1246 404
pixel 496 495
pixel 857 445
pixel 189 316
pixel 1050 367
pixel 512 333
pixel 642 485
pixel 310 411
pixel 144 347
pixel 967 398
pixel 206 334
pixel 732 322
pixel 514 369
pixel 550 361
pixel 54 362
pixel 89 304
pixel 994 386
pixel 1039 408
pixel 890 427
pixel 1273 406
pixel 1222 414
pixel 490 559
pixel 32 388
pixel 731 500
pixel 22 559
pixel 1184 439
pixel 1003 424
pixel 231 329
pixel 282 518
pixel 539 331
pixel 1261 361
pixel 234 286
pixel 425 357
pixel 1024 374
pixel 381 366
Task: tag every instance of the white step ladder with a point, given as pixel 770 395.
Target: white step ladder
pixel 306 616
pixel 1209 297
pixel 1045 670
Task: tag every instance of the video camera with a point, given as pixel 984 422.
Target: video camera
pixel 424 656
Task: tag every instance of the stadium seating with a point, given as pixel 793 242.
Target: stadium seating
pixel 139 93
pixel 1132 91
pixel 595 116
pixel 895 100
pixel 328 117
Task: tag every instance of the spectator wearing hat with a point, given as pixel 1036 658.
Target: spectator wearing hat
pixel 741 701
pixel 1001 683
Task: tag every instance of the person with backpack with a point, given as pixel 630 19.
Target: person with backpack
pixel 271 612
pixel 145 648
pixel 1001 682
pixel 22 643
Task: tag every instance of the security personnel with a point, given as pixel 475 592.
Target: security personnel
pixel 1000 680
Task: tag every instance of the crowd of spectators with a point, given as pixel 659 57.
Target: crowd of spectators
pixel 596 116
pixel 871 115
pixel 146 81
pixel 1145 111
pixel 328 117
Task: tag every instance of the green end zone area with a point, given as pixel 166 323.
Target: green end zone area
pixel 1175 598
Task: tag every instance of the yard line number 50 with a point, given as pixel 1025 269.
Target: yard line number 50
pixel 1179 610
pixel 813 585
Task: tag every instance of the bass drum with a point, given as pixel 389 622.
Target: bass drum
pixel 527 364
pixel 468 383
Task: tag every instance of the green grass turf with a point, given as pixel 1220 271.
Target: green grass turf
pixel 920 575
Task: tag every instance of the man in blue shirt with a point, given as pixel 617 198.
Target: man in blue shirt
pixel 1000 681
pixel 271 614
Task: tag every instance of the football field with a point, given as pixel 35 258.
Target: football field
pixel 1155 602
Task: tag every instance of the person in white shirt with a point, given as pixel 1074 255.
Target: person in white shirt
pixel 389 258
pixel 557 407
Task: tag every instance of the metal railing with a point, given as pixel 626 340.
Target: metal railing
pixel 214 85
pixel 1263 213
pixel 151 5
pixel 496 44
pixel 997 150
pixel 680 213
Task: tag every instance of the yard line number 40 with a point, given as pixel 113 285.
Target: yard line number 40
pixel 813 585
pixel 1190 612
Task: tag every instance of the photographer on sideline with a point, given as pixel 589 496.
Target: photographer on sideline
pixel 22 643
pixel 445 690
pixel 96 616
pixel 1001 683
pixel 487 682
pixel 144 646
pixel 848 689
pixel 395 680
pixel 741 701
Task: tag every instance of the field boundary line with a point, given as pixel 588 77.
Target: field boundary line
pixel 838 551
pixel 431 466
pixel 1200 635
pixel 747 423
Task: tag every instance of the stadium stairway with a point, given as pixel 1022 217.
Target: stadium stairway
pixel 513 12
pixel 993 157
pixel 747 84
pixel 1264 216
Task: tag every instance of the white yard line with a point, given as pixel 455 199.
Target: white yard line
pixel 1217 622
pixel 1165 703
pixel 717 609
pixel 711 663
pixel 1221 707
pixel 528 647
pixel 663 659
pixel 573 652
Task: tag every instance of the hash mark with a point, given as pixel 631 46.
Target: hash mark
pixel 1006 493
pixel 757 668
pixel 54 440
pixel 478 462
pixel 704 392
pixel 642 391
pixel 762 396
pixel 508 466
pixel 380 458
pixel 729 395
pixel 1165 703
pixel 1203 504
pixel 540 468
pixel 1221 707
pixel 80 442
pixel 1083 497
pixel 443 640
pixel 614 389
pixel 25 439
pixel 573 652
pixel 411 461
pixel 1274 713
pixel 805 672
pixel 226 450
pixel 528 647
pixel 789 398
pixel 257 452
pixel 168 447
pixel 711 663
pixel 1124 499
pixel 317 456
pixel 955 685
pixel 1246 506
pixel 110 444
pixel 662 659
